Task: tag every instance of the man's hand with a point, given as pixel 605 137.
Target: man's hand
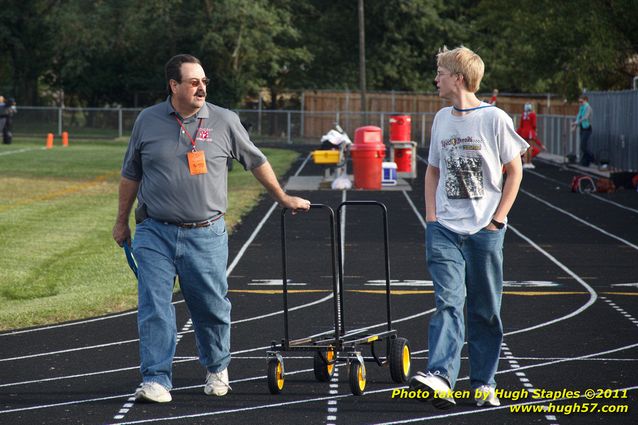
pixel 295 203
pixel 122 233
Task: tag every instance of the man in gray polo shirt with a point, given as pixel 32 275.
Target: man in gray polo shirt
pixel 176 167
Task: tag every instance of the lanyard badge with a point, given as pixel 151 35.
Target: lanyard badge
pixel 196 159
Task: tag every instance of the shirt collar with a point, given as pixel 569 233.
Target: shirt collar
pixel 203 112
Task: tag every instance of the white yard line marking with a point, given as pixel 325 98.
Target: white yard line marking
pixel 20 151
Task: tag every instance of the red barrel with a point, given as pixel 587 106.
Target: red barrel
pixel 400 128
pixel 403 159
pixel 367 155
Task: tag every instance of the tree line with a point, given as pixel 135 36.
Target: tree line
pixel 112 52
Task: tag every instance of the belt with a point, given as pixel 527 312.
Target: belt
pixel 205 223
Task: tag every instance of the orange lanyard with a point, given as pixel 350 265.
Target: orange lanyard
pixel 185 131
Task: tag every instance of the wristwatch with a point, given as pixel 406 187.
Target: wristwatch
pixel 498 224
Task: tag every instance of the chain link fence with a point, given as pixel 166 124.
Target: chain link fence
pixel 614 140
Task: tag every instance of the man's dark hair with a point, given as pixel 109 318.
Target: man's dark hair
pixel 173 66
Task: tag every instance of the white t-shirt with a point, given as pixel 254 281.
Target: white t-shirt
pixel 470 151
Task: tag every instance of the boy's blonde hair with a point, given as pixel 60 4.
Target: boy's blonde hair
pixel 465 62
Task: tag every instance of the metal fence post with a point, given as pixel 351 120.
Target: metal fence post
pixel 60 120
pixel 301 125
pixel 119 122
pixel 422 130
pixel 289 129
pixel 259 116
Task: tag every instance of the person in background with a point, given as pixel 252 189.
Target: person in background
pixel 9 111
pixel 3 114
pixel 583 121
pixel 494 97
pixel 176 166
pixel 467 200
pixel 527 130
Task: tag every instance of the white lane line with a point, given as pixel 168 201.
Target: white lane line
pixel 414 208
pixel 234 353
pixel 385 390
pixel 20 151
pixel 611 235
pixel 620 310
pixel 120 396
pixel 481 410
pixel 64 325
pixel 129 341
pixel 524 380
pixel 592 293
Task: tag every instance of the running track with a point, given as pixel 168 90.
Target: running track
pixel 570 310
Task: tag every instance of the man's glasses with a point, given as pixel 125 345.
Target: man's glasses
pixel 195 82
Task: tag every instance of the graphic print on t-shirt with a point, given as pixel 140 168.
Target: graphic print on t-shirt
pixel 464 167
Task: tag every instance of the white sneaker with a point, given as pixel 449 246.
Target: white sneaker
pixel 484 396
pixel 153 392
pixel 437 386
pixel 217 383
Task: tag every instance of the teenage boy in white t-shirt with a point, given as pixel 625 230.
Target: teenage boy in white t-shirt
pixel 467 199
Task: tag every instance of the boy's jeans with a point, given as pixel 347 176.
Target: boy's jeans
pixel 463 265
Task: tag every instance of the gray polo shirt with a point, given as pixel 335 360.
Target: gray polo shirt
pixel 156 157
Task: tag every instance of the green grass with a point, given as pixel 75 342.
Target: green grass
pixel 57 208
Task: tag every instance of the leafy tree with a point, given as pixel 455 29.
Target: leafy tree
pixel 563 47
pixel 25 42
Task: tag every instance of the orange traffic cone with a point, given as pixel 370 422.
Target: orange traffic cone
pixel 49 144
pixel 65 138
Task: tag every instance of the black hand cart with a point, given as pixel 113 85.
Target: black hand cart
pixel 339 344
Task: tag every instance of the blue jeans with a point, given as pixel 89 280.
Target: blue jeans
pixel 465 267
pixel 199 257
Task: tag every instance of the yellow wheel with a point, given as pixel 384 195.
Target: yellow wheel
pixel 324 366
pixel 357 377
pixel 400 360
pixel 275 375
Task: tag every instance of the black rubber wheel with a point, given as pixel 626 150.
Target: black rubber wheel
pixel 400 360
pixel 275 375
pixel 324 371
pixel 357 377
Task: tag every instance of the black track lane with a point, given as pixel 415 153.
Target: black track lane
pixel 591 349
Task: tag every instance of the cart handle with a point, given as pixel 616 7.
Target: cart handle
pixel 312 206
pixel 386 250
pixel 333 252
